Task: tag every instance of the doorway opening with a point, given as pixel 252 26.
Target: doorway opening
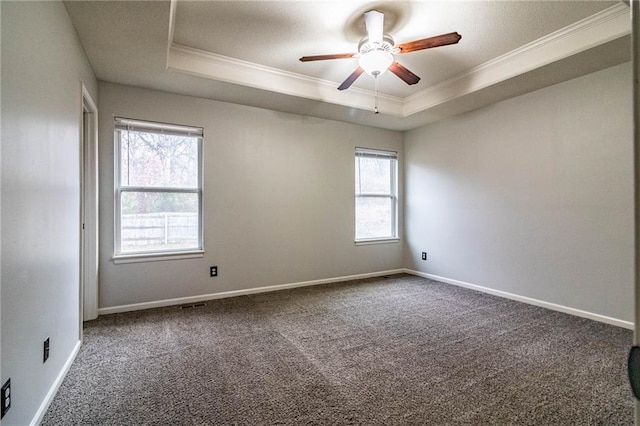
pixel 88 210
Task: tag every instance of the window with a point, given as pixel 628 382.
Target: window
pixel 376 195
pixel 158 188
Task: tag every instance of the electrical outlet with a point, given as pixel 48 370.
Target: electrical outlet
pixel 45 351
pixel 213 271
pixel 424 255
pixel 5 395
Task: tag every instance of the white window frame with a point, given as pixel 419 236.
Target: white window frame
pixel 127 124
pixel 393 195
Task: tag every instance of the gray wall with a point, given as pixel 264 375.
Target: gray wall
pixel 42 67
pixel 279 204
pixel 531 196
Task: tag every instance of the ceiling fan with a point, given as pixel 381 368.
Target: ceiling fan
pixel 377 51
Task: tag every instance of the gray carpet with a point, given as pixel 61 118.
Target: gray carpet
pixel 384 351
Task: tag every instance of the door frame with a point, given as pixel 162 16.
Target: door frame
pixel 635 57
pixel 88 209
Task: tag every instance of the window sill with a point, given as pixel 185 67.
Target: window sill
pixel 377 241
pixel 156 257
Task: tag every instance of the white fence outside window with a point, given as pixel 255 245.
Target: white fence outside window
pixel 141 232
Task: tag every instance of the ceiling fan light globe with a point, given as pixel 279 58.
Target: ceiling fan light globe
pixel 376 62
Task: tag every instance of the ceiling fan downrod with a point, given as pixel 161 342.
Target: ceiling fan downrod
pixel 375 105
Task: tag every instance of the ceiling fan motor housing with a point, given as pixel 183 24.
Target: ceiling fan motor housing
pixel 386 45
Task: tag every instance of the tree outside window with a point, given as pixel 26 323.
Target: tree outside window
pixel 159 191
pixel 376 194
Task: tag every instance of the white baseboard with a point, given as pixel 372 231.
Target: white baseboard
pixel 234 293
pixel 529 300
pixel 37 419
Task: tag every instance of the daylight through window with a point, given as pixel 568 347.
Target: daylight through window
pixel 158 187
pixel 376 195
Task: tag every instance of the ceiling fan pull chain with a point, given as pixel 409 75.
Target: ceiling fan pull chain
pixel 375 106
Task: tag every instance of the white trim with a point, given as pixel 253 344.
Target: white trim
pixel 87 97
pixel 53 390
pixel 234 293
pixel 377 241
pixel 635 58
pixel 536 302
pixel 172 28
pixel 89 285
pixel 602 27
pixel 206 64
pixel 156 257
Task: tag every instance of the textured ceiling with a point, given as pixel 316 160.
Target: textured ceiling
pixel 276 34
pixel 128 42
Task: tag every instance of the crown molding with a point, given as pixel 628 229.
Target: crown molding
pixel 172 28
pixel 600 28
pixel 223 68
pixel 607 25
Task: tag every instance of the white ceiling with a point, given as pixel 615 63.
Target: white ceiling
pixel 247 51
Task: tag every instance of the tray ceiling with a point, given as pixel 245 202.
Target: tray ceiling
pixel 247 51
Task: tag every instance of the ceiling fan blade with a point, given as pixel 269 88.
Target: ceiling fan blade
pixel 353 77
pixel 427 43
pixel 404 74
pixel 374 21
pixel 324 57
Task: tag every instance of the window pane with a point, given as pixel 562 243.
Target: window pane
pixel 374 218
pixel 158 160
pixel 373 175
pixel 156 221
